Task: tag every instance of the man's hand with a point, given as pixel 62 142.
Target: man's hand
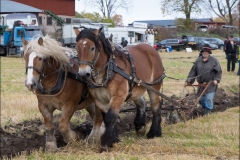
pixel 215 82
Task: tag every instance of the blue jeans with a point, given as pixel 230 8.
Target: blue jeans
pixel 207 100
pixel 238 73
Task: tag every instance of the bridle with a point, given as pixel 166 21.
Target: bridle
pixel 91 64
pixel 40 71
pixel 59 84
pixel 96 56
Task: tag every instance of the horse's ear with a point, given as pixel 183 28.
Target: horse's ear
pixel 40 41
pixel 24 42
pixel 98 31
pixel 76 31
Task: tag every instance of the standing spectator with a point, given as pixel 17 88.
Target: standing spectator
pixel 205 69
pixel 238 73
pixel 231 50
pixel 124 43
pixel 224 49
pixel 146 41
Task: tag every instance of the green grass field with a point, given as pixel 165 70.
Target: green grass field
pixel 210 137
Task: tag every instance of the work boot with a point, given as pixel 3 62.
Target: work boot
pixel 207 111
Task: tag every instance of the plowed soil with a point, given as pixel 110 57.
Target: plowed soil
pixel 27 136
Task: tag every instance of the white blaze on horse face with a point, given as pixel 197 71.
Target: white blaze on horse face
pixel 87 69
pixel 30 77
pixel 84 42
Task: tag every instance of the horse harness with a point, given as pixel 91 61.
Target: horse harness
pixel 112 68
pixel 63 73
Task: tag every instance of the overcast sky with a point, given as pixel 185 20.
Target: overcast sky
pixel 141 10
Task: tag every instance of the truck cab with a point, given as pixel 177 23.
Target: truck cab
pixel 27 32
pixel 11 43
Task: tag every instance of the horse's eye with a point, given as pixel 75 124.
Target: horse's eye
pixel 92 49
pixel 39 59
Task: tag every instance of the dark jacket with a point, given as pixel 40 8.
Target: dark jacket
pixel 124 43
pixel 205 71
pixel 231 49
pixel 225 42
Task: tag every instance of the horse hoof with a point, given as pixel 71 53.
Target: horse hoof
pixel 92 139
pixel 50 146
pixel 72 137
pixel 142 131
pixel 152 135
pixel 104 149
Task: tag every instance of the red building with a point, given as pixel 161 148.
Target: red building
pixel 58 7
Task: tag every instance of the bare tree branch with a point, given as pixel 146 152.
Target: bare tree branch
pixel 109 7
pixel 224 9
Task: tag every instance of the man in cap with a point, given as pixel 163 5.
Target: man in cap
pixel 205 69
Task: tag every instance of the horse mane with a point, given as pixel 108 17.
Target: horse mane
pixel 88 33
pixel 50 48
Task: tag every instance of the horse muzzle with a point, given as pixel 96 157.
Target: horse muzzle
pixel 31 86
pixel 85 73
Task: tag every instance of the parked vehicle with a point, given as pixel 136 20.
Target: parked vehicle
pixel 189 42
pixel 175 43
pixel 237 40
pixel 159 45
pixel 198 40
pixel 202 28
pixel 228 27
pixel 202 42
pixel 68 35
pixel 216 41
pixel 11 43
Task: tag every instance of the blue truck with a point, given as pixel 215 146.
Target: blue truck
pixel 10 41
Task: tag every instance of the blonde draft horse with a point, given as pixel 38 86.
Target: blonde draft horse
pixel 94 52
pixel 47 65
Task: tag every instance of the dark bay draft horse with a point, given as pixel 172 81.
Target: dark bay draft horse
pixel 50 74
pixel 109 74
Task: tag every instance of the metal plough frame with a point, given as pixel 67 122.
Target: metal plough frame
pixel 182 109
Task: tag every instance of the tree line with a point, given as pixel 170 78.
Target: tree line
pixel 225 10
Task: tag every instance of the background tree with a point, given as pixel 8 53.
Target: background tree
pixel 117 19
pixel 108 20
pixel 225 9
pixel 109 7
pixel 94 17
pixel 187 7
